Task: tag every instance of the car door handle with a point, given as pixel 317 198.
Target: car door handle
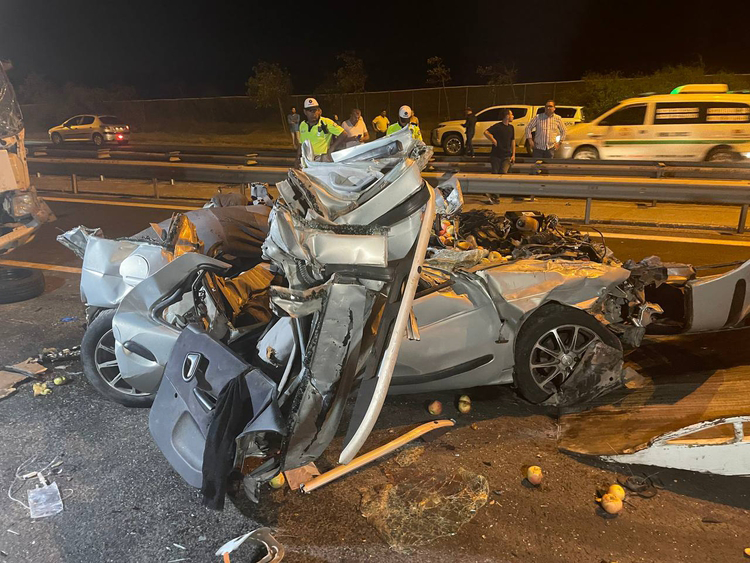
pixel 207 401
pixel 642 131
pixel 594 135
pixel 190 365
pixel 521 124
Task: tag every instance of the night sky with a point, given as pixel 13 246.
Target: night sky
pixel 209 48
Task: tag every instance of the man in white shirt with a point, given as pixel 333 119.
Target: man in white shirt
pixel 355 129
pixel 548 132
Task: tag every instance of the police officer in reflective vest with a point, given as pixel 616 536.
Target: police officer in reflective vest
pixel 324 134
pixel 404 120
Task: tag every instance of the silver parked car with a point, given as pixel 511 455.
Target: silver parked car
pixel 97 129
pixel 366 300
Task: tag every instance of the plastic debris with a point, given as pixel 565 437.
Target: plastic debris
pixel 262 535
pixel 45 501
pixel 61 380
pixel 51 355
pixel 68 319
pixel 41 389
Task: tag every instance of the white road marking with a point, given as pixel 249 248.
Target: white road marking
pixel 122 203
pixel 38 266
pixel 688 240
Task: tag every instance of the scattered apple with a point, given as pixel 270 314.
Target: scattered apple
pixel 534 475
pixel 617 491
pixel 278 481
pixel 611 504
pixel 464 404
pixel 435 408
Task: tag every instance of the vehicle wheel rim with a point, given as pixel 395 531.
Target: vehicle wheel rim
pixel 721 157
pixel 557 353
pixel 97 140
pixel 585 155
pixel 107 368
pixel 453 145
pixel 56 139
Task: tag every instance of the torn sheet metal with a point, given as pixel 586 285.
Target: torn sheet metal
pixel 449 198
pixel 332 355
pixel 300 303
pixel 599 372
pixel 720 446
pixel 77 238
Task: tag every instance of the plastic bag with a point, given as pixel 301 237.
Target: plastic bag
pixel 45 501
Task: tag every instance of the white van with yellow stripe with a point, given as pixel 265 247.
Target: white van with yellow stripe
pixel 695 122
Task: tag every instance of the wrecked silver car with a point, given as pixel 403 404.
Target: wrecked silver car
pixel 22 212
pixel 373 288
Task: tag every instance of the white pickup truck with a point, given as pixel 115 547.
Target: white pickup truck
pixel 451 135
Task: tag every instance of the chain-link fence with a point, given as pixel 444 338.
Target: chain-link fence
pixel 238 114
pixel 234 114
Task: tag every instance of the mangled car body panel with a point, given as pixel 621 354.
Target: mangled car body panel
pixel 720 446
pixel 467 331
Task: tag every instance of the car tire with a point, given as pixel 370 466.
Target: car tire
pixel 57 139
pixel 20 284
pixel 576 330
pixel 721 154
pixel 586 153
pixel 453 144
pixel 97 355
pixel 97 139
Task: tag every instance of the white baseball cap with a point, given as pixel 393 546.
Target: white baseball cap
pixel 311 103
pixel 404 112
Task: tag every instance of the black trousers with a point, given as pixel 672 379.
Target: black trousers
pixel 500 165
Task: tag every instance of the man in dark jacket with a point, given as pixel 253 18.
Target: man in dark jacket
pixel 471 126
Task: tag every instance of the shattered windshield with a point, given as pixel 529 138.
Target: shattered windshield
pixel 11 120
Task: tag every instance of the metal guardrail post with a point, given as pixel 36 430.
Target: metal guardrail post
pixel 155 184
pixel 743 219
pixel 74 183
pixel 587 215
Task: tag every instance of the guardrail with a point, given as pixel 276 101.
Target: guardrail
pixel 736 170
pixel 589 188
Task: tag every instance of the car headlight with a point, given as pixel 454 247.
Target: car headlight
pixel 23 204
pixel 746 155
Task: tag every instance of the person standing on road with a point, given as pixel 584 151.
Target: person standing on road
pixel 380 124
pixel 293 120
pixel 503 138
pixel 324 134
pixel 549 132
pixel 404 120
pixel 356 129
pixel 502 135
pixel 471 125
